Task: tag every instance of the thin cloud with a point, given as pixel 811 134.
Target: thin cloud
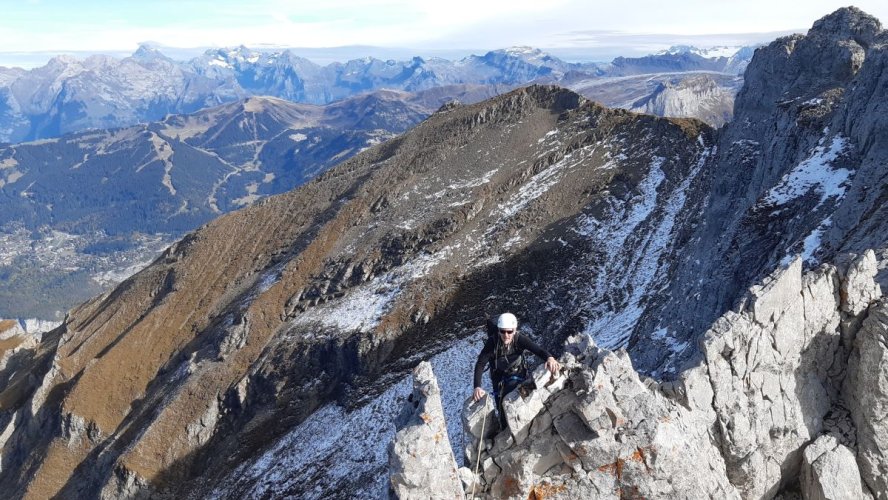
pixel 56 26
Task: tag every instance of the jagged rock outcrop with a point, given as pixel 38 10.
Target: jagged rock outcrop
pixel 867 390
pixel 799 172
pixel 762 414
pixel 421 462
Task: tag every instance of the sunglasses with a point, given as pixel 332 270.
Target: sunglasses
pixel 507 332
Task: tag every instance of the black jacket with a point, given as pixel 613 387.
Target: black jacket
pixel 504 361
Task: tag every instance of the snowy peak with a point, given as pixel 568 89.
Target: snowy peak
pixel 710 52
pixel 529 54
pixel 147 52
pixel 147 85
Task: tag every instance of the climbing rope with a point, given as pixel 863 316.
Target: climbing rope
pixel 478 458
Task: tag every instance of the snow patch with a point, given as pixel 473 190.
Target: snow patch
pixel 115 276
pixel 220 63
pixel 815 173
pixel 352 446
pixel 810 245
pixel 38 326
pixel 484 179
pixel 617 298
pixel 539 184
pixel 364 306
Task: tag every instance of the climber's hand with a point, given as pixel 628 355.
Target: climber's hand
pixel 553 366
pixel 479 393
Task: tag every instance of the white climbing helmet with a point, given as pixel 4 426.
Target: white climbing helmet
pixel 507 321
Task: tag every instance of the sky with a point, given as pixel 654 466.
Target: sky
pixel 32 31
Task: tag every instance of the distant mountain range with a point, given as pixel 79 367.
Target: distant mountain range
pixel 69 95
pixel 84 210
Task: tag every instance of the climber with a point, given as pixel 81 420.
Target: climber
pixel 504 353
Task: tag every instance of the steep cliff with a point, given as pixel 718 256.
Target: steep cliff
pixel 798 171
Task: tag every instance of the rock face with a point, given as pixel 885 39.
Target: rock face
pixel 868 398
pixel 761 415
pixel 421 462
pixel 798 172
pixel 699 96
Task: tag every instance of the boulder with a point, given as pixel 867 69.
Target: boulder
pixel 859 288
pixel 829 472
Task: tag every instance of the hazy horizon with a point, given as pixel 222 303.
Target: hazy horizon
pixel 34 31
pixel 610 46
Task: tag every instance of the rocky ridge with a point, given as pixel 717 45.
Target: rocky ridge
pixel 258 330
pixel 773 408
pixel 327 289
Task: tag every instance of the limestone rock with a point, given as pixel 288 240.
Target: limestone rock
pixel 468 479
pixel 611 435
pixel 479 423
pixel 770 379
pixel 524 404
pixel 421 462
pixel 859 288
pixel 867 392
pixel 829 472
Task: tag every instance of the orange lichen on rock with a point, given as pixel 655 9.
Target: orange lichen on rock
pixel 615 468
pixel 511 486
pixel 543 491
